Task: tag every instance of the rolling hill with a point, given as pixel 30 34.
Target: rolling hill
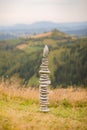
pixel 67 59
pixel 20 30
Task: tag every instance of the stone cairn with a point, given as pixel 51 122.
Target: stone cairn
pixel 44 81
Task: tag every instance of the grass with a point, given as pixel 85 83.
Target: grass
pixel 47 34
pixel 19 109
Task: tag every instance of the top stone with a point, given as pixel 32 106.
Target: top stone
pixel 45 51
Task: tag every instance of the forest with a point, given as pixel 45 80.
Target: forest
pixel 67 59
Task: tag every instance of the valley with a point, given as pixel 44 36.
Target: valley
pixel 67 58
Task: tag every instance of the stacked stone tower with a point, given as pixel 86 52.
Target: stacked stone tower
pixel 44 81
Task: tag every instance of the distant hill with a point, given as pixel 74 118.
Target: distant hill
pixel 76 29
pixel 46 34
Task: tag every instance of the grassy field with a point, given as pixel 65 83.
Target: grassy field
pixel 19 109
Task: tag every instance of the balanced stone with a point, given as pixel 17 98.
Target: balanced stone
pixel 44 81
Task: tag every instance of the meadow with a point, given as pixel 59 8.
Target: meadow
pixel 19 108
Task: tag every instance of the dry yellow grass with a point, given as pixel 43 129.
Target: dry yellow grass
pixel 19 109
pixel 41 35
pixel 15 91
pixel 22 46
pixel 70 94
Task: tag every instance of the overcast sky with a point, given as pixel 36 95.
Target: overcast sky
pixel 29 11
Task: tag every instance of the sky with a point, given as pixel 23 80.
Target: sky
pixel 30 11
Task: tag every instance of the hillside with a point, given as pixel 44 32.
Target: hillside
pixel 46 34
pixel 67 59
pixel 20 30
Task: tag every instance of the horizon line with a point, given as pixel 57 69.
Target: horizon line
pixel 43 21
